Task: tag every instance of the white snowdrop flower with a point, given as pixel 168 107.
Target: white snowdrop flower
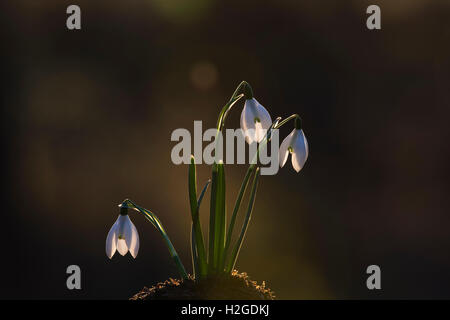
pixel 255 121
pixel 296 145
pixel 122 237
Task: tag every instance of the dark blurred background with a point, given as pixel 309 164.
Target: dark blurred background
pixel 87 117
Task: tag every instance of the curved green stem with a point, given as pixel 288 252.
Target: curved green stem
pixel 224 112
pixel 282 123
pixel 242 90
pixel 243 188
pixel 150 216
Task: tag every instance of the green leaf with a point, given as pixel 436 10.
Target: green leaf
pixel 202 194
pixel 212 219
pixel 237 246
pixel 221 217
pixel 217 217
pixel 199 244
pixel 235 211
pixel 194 252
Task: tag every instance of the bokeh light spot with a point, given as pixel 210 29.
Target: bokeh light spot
pixel 204 75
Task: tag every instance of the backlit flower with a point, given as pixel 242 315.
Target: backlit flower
pixel 122 237
pixel 296 145
pixel 255 121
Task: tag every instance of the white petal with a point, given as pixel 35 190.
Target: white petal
pixel 134 246
pixel 259 132
pixel 300 150
pixel 306 145
pixel 122 247
pixel 122 223
pixel 264 116
pixel 128 230
pixel 111 240
pixel 248 120
pixel 295 163
pixel 284 149
pixel 122 229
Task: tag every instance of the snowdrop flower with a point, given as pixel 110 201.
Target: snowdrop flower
pixel 122 236
pixel 255 120
pixel 296 145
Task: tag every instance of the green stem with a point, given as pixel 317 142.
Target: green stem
pixel 235 211
pixel 150 216
pixel 238 245
pixel 224 112
pixel 242 190
pixel 242 90
pixel 282 123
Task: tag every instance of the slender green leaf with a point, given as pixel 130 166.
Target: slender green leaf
pixel 235 211
pixel 194 252
pixel 200 246
pixel 202 194
pixel 237 246
pixel 212 219
pixel 220 226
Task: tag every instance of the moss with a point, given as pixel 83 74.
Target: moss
pixel 236 286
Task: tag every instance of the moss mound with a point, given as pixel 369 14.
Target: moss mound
pixel 236 286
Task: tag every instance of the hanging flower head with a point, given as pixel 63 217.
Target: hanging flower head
pixel 296 145
pixel 255 119
pixel 122 236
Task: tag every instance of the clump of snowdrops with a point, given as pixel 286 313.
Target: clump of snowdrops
pixel 222 253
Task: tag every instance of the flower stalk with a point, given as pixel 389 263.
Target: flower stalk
pixel 150 216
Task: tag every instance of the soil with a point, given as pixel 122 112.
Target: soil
pixel 236 286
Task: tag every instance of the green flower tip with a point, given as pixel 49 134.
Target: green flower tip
pixel 192 159
pixel 124 204
pixel 123 211
pixel 298 123
pixel 247 89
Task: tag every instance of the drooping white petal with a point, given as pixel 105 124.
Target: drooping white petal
pixel 127 230
pixel 122 223
pixel 122 246
pixel 134 246
pixel 295 163
pixel 111 241
pixel 259 132
pixel 248 121
pixel 255 120
pixel 284 149
pixel 300 150
pixel 122 229
pixel 264 116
